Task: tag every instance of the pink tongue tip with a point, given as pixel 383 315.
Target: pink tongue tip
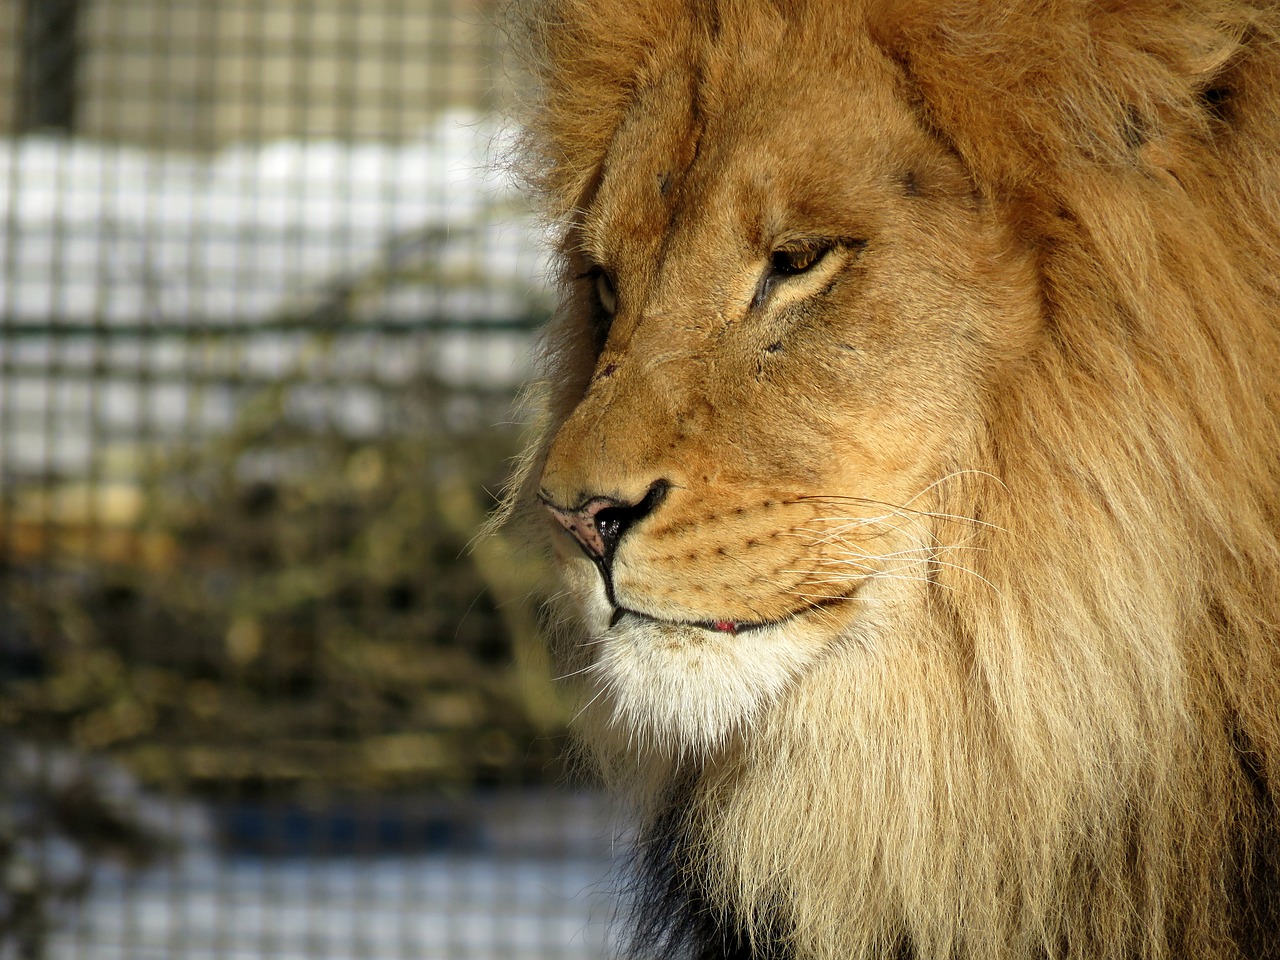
pixel 725 626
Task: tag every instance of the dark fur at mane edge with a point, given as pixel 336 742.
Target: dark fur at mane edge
pixel 1259 861
pixel 670 917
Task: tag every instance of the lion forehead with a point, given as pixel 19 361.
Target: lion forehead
pixel 753 154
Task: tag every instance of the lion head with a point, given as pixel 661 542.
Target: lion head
pixel 910 460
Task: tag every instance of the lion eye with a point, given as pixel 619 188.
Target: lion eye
pixel 606 296
pixel 789 262
pixel 603 300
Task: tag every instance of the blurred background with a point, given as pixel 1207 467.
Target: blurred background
pixel 265 304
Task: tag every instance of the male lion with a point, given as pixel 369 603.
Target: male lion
pixel 911 452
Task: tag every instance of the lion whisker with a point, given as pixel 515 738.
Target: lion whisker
pixel 919 553
pixel 574 673
pixel 928 560
pixel 907 508
pixel 599 693
pixel 820 537
pixel 882 575
pixel 912 514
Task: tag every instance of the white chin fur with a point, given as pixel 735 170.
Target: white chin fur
pixel 681 689
pixel 685 690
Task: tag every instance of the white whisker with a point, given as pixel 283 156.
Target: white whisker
pixel 586 706
pixel 574 673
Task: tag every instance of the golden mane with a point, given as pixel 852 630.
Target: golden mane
pixel 1073 751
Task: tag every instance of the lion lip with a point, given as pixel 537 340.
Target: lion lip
pixel 732 627
pixel 714 626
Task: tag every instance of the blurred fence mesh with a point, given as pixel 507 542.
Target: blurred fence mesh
pixel 263 311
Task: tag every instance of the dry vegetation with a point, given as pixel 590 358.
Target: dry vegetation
pixel 289 604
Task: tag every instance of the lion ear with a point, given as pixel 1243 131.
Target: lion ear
pixel 1031 93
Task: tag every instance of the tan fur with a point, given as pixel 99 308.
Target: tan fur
pixel 999 475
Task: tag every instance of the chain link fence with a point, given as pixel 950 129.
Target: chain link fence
pixel 264 307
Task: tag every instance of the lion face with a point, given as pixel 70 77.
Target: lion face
pixel 796 307
pixel 910 456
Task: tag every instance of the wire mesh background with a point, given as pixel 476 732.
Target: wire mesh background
pixel 263 311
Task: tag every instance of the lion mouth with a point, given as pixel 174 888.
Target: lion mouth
pixel 733 627
pixel 714 626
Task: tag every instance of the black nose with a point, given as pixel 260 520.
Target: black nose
pixel 601 522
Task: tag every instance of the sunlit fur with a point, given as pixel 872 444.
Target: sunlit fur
pixel 1030 427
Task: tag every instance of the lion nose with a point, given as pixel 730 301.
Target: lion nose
pixel 600 523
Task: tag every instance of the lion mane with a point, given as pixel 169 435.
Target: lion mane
pixel 910 455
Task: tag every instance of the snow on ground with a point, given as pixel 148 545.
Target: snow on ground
pixel 537 886
pixel 108 251
pixel 417 908
pixel 97 233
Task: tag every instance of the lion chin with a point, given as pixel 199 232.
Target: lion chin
pixel 684 689
pixel 909 454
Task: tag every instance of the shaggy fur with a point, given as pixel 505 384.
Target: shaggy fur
pixel 922 357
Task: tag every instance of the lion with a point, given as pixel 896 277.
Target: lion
pixel 909 454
